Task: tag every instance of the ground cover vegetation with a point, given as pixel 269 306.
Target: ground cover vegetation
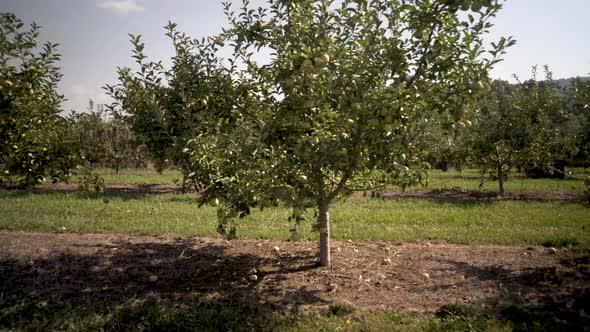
pixel 328 117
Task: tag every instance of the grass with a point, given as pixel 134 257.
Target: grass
pixel 471 179
pixel 141 315
pixel 469 222
pixel 138 176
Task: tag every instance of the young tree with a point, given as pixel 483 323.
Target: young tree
pixel 101 141
pixel 31 130
pixel 165 108
pixel 341 103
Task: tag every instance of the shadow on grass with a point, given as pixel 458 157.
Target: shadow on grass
pixel 124 193
pixel 466 197
pixel 197 283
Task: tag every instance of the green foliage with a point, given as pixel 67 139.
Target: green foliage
pixel 165 117
pixel 90 181
pixel 105 142
pixel 519 125
pixel 35 145
pixel 579 95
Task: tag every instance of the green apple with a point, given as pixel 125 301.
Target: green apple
pixel 321 60
pixel 307 63
pixel 214 202
pixel 357 107
pixel 7 83
pixel 253 277
pixel 318 62
pixel 476 86
pixel 290 82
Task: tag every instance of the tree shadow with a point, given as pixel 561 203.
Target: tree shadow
pixel 180 273
pixel 465 197
pixel 119 192
pixel 540 299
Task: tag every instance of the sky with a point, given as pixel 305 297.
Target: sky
pixel 94 41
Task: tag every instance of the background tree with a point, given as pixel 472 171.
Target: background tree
pixel 579 99
pixel 103 141
pixel 91 131
pixel 518 124
pixel 166 116
pixel 31 130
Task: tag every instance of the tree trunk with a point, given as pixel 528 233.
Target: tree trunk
pixel 501 180
pixel 184 181
pixel 324 223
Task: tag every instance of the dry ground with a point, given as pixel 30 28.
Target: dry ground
pixel 97 269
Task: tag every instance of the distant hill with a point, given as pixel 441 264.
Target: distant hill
pixel 566 82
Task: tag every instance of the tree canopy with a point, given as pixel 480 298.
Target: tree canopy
pixel 35 144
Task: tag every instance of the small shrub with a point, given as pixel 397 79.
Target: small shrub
pixel 90 181
pixel 341 308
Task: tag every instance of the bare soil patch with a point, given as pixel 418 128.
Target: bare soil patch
pixel 99 269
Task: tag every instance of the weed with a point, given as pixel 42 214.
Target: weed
pixel 341 308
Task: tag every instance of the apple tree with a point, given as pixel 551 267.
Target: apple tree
pixel 34 137
pixel 334 97
pixel 519 124
pixel 168 107
pixel 579 99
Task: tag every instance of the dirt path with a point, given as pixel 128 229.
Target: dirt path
pixel 96 269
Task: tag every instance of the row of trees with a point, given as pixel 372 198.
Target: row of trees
pixel 105 141
pixel 534 126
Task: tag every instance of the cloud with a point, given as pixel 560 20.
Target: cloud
pixel 79 94
pixel 121 7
